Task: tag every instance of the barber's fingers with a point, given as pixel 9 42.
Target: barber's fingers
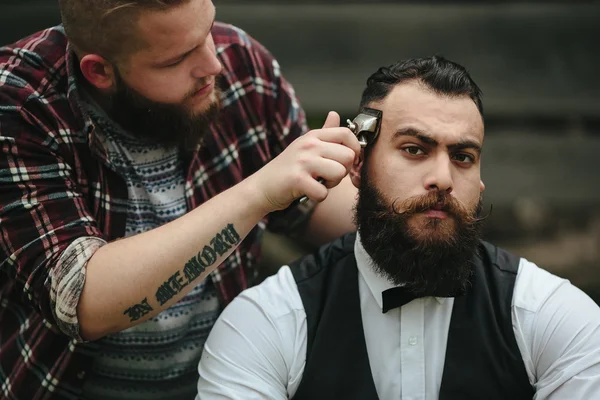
pixel 339 153
pixel 339 135
pixel 332 120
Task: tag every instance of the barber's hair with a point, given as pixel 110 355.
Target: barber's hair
pixel 107 27
pixel 444 77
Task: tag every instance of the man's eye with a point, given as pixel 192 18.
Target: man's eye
pixel 414 151
pixel 464 158
pixel 174 64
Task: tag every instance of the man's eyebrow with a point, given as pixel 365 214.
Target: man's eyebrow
pixel 177 57
pixel 465 144
pixel 422 136
pixel 212 24
pixel 183 55
pixel 427 139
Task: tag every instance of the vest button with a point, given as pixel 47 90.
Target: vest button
pixel 81 375
pixel 412 340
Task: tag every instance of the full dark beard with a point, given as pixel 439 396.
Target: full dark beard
pixel 169 125
pixel 434 259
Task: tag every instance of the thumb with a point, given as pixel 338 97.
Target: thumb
pixel 332 121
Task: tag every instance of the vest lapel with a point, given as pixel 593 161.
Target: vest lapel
pixel 337 365
pixel 483 360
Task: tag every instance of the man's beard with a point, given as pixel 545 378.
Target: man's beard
pixel 169 125
pixel 433 259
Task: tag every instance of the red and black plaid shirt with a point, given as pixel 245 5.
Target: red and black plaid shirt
pixel 55 187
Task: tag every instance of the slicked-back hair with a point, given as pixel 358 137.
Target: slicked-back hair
pixel 443 76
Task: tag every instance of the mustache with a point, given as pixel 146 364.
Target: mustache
pixel 200 84
pixel 442 201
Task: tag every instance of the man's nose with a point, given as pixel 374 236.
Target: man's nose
pixel 439 177
pixel 207 65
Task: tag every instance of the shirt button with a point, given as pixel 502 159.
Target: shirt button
pixel 412 340
pixel 81 375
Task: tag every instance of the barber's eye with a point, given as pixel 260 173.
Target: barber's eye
pixel 413 150
pixel 176 63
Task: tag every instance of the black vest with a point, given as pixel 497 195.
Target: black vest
pixel 482 357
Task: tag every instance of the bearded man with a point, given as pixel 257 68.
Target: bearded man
pixel 414 305
pixel 143 149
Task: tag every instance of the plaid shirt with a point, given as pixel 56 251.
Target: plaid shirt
pixel 56 187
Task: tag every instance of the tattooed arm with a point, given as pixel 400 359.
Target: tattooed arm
pixel 133 279
pixel 219 246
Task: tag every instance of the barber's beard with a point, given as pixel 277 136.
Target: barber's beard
pixel 429 256
pixel 169 125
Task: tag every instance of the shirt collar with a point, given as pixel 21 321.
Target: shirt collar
pixel 73 95
pixel 75 100
pixel 376 283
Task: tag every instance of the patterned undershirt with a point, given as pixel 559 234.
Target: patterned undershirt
pixel 157 359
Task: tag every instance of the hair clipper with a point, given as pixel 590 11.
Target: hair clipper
pixel 365 126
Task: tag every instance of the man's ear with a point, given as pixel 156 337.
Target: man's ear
pixel 98 71
pixel 355 170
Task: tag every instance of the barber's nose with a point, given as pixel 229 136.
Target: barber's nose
pixel 439 178
pixel 214 67
pixel 208 64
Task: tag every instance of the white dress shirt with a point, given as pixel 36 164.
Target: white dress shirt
pixel 257 348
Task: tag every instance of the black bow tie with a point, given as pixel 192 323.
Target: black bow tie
pixel 399 296
pixel 396 297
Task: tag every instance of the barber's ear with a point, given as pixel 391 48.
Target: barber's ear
pixel 98 71
pixel 355 170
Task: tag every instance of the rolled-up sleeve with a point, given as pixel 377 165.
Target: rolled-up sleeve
pixel 66 283
pixel 47 234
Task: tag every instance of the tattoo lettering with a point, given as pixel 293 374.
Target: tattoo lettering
pixel 176 282
pixel 170 288
pixel 231 234
pixel 139 310
pixel 208 256
pixel 194 268
pixel 219 245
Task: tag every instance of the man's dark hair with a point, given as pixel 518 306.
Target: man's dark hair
pixel 442 76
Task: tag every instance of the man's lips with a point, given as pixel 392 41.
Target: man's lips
pixel 437 211
pixel 433 213
pixel 204 89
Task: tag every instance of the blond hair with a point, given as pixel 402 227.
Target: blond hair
pixel 107 27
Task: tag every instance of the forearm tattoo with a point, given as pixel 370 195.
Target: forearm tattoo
pixel 219 245
pixel 137 311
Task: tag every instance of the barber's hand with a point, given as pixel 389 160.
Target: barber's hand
pixel 326 153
